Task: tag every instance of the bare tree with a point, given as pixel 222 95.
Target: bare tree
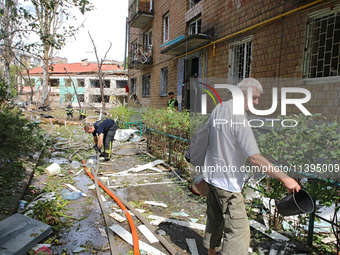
pixel 100 73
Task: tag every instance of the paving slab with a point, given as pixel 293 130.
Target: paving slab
pixel 19 234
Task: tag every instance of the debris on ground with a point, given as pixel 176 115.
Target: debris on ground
pixel 158 220
pixel 148 234
pixel 124 234
pixel 192 246
pixel 155 203
pixel 282 247
pixel 265 230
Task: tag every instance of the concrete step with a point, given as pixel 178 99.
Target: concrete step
pixel 19 233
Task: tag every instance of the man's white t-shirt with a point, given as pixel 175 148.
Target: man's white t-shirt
pixel 231 142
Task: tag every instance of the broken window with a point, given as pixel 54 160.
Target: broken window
pixel 240 61
pixel 195 27
pixel 68 82
pixel 98 99
pixel 133 85
pixel 147 39
pixel 69 97
pixel 166 24
pixel 96 84
pixel 81 82
pixel 121 84
pixel 193 2
pixel 81 98
pixel 164 82
pixel 322 45
pixel 146 85
pixel 53 82
pixel 134 58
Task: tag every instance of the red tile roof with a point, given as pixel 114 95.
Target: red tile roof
pixel 76 68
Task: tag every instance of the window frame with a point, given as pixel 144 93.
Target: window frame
pixel 166 27
pixel 146 85
pixel 134 47
pixel 310 40
pixel 233 70
pixel 192 3
pixel 163 92
pixel 133 82
pixel 147 38
pixel 195 23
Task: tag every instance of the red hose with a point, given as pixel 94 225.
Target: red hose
pixel 125 211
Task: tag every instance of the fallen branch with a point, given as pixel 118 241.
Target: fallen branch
pixel 57 121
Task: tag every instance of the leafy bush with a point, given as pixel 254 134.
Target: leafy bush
pixel 18 138
pixel 168 121
pixel 308 150
pixel 124 114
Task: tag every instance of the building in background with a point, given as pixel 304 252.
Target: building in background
pixel 84 82
pixel 297 41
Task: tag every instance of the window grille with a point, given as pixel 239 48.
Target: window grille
pixel 240 61
pixel 322 46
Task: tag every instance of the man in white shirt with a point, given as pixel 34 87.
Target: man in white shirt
pixel 230 145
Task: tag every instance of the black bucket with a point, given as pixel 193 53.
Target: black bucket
pixel 295 203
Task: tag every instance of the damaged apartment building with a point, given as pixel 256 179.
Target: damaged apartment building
pixel 84 84
pixel 291 43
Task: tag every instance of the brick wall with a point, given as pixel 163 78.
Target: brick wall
pixel 277 47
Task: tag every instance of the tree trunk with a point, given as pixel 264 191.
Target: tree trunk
pixel 44 88
pixel 7 24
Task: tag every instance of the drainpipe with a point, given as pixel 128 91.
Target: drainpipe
pixel 126 39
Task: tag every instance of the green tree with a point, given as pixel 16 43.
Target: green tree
pixel 18 138
pixel 49 25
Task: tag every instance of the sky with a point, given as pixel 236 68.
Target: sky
pixel 106 23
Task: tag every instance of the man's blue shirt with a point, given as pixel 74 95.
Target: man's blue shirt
pixel 102 126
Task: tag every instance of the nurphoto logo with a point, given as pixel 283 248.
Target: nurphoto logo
pixel 238 104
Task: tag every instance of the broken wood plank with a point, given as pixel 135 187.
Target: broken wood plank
pixel 143 167
pixel 143 184
pixel 117 217
pixel 192 225
pixel 124 234
pixel 155 203
pixel 156 169
pixel 162 167
pixel 58 121
pixel 262 228
pixel 192 246
pixel 148 234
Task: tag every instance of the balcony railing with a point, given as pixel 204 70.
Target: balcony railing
pixel 140 13
pixel 141 57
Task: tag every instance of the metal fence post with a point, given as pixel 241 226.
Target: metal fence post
pixel 170 148
pixel 311 225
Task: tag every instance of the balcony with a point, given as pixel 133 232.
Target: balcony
pixel 141 57
pixel 140 13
